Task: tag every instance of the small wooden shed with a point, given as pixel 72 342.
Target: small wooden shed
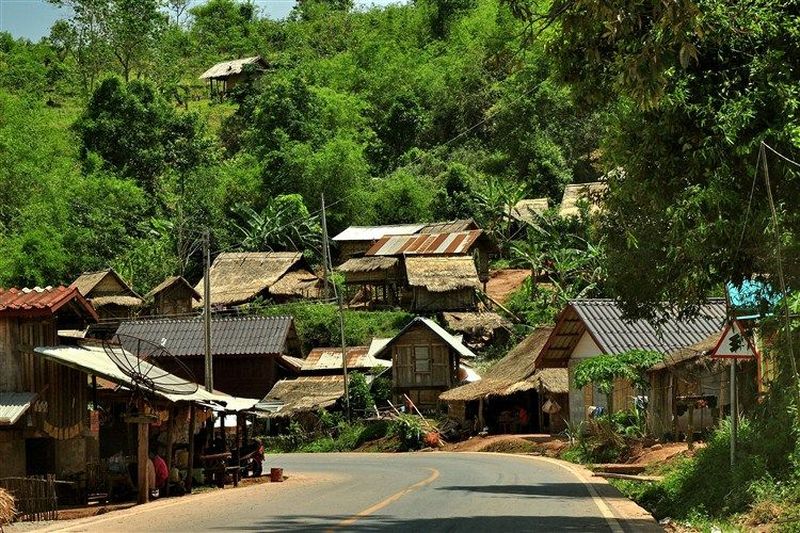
pixel 226 75
pixel 442 283
pixel 426 361
pixel 173 296
pixel 111 296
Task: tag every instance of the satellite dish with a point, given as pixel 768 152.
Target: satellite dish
pixel 138 358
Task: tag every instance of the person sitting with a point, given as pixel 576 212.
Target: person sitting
pixel 160 473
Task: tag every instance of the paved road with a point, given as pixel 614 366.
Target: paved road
pixel 389 492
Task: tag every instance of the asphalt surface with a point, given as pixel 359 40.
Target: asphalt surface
pixel 388 492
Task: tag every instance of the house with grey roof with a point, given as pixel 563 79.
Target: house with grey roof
pixel 249 353
pixel 590 327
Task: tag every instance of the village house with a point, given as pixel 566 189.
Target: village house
pixel 111 296
pixel 690 389
pixel 513 396
pixel 591 327
pixel 44 421
pixel 173 296
pixel 224 76
pixel 247 352
pixel 426 361
pixel 239 278
pixel 478 328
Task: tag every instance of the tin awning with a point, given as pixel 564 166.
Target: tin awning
pixel 94 360
pixel 13 405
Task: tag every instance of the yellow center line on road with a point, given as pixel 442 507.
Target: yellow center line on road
pixel 387 501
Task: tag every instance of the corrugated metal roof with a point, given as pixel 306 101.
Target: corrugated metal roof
pixel 603 319
pixel 450 226
pixel 13 405
pixel 457 243
pixel 373 233
pixel 229 335
pixel 331 359
pixel 41 301
pixel 94 360
pixel 229 68
pixel 303 394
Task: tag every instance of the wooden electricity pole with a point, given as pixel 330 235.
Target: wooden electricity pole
pixel 209 365
pixel 329 266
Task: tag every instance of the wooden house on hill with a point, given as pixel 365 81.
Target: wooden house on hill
pixel 247 351
pixel 590 327
pixel 513 395
pixel 226 75
pixel 44 422
pixel 111 296
pixel 442 283
pixel 240 277
pixel 173 296
pixel 426 361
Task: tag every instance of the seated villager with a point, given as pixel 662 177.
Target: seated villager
pixel 160 474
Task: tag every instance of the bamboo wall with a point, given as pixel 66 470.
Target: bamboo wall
pixel 423 383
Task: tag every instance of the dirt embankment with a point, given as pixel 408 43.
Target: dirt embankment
pixel 533 444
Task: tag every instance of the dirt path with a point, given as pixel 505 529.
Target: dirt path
pixel 504 282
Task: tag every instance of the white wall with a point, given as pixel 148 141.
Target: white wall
pixel 585 349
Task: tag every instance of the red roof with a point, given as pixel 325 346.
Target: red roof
pixel 41 302
pixel 455 243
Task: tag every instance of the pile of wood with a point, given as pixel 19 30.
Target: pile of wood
pixel 7 509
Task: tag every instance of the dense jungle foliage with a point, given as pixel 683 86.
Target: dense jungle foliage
pixel 418 112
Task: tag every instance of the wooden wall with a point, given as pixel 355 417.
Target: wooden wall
pixel 175 300
pixel 463 299
pixel 411 375
pixel 247 376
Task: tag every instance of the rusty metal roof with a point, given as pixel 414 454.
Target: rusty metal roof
pixel 450 226
pixel 229 335
pixel 41 301
pixel 456 243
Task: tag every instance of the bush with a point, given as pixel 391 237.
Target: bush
pixel 359 394
pixel 318 324
pixel 409 429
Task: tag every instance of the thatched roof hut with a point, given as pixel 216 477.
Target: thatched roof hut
pixel 99 287
pixel 696 354
pixel 304 394
pixel 528 209
pixel 227 69
pixel 577 191
pixel 515 373
pixel 239 277
pixel 442 274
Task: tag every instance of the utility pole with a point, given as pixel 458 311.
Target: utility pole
pixel 209 366
pixel 328 265
pixel 325 252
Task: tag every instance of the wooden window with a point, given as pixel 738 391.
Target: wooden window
pixel 422 359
